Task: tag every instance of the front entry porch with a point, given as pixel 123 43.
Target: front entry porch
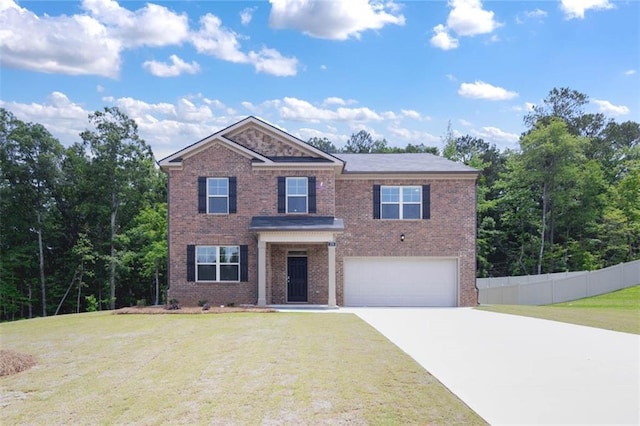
pixel 297 260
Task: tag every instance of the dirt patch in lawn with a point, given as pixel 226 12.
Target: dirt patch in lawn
pixel 191 310
pixel 12 362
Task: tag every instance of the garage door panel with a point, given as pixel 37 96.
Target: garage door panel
pixel 400 281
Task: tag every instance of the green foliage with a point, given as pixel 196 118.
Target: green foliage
pixel 92 303
pixel 323 144
pixel 362 142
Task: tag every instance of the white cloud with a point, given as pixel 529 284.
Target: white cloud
pixel 465 123
pixel 177 67
pixel 442 40
pixel 576 8
pixel 99 88
pixel 451 77
pixel 495 135
pixel 137 108
pixel 323 67
pixel 334 20
pixel 270 61
pixel 482 90
pixel 301 110
pixel 409 113
pixel 74 45
pixel 215 40
pixel 414 136
pixel 607 107
pixel 62 117
pixel 536 13
pixel 630 72
pixel 333 100
pixel 92 42
pixel 468 18
pixel 247 15
pixel 152 25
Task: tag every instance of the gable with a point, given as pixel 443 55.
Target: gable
pixel 267 145
pixel 259 141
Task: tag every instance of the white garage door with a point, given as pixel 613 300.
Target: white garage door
pixel 400 281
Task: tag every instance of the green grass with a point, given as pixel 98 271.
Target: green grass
pixel 618 311
pixel 245 368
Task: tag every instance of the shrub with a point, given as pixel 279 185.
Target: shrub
pixel 174 305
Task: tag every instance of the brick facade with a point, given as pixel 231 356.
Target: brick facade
pixel 450 232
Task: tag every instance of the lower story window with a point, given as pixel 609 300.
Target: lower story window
pixel 217 263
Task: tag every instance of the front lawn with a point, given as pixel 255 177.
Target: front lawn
pixel 242 368
pixel 618 311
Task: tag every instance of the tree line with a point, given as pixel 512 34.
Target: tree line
pixel 84 228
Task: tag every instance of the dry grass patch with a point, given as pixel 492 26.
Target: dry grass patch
pixel 245 368
pixel 12 362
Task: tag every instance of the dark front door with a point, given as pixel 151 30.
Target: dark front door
pixel 297 279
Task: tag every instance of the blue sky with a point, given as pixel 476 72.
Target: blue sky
pixel 400 70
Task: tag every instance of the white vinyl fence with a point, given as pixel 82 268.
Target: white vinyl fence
pixel 555 288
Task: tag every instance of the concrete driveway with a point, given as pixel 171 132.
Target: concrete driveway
pixel 516 370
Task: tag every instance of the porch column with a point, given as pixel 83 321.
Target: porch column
pixel 262 273
pixel 332 273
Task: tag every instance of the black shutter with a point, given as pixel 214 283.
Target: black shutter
pixel 191 263
pixel 244 263
pixel 376 201
pixel 282 194
pixel 202 194
pixel 311 183
pixel 426 201
pixel 233 194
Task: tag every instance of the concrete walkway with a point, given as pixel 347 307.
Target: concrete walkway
pixel 517 370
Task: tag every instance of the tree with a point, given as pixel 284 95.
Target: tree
pixel 323 144
pixel 565 104
pixel 121 164
pixel 147 244
pixel 31 166
pixel 548 166
pixel 362 142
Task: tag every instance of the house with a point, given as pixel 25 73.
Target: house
pixel 257 216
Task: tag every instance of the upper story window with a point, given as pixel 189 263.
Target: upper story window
pixel 217 263
pixel 401 202
pixel 297 194
pixel 218 195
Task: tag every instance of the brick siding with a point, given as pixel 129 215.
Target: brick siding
pixel 449 232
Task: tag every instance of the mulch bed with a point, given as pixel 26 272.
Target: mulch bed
pixel 12 362
pixel 191 310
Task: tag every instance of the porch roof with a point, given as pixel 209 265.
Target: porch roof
pixel 296 223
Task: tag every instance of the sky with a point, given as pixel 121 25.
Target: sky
pixel 405 71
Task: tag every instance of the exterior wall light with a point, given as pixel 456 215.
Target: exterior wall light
pixel 401 237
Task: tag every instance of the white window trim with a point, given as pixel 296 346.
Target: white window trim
pixel 401 203
pixel 218 196
pixel 218 264
pixel 306 195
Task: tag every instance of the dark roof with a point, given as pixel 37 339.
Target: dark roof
pixel 401 163
pixel 296 223
pixel 299 160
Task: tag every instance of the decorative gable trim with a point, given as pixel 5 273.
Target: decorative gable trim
pixel 224 136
